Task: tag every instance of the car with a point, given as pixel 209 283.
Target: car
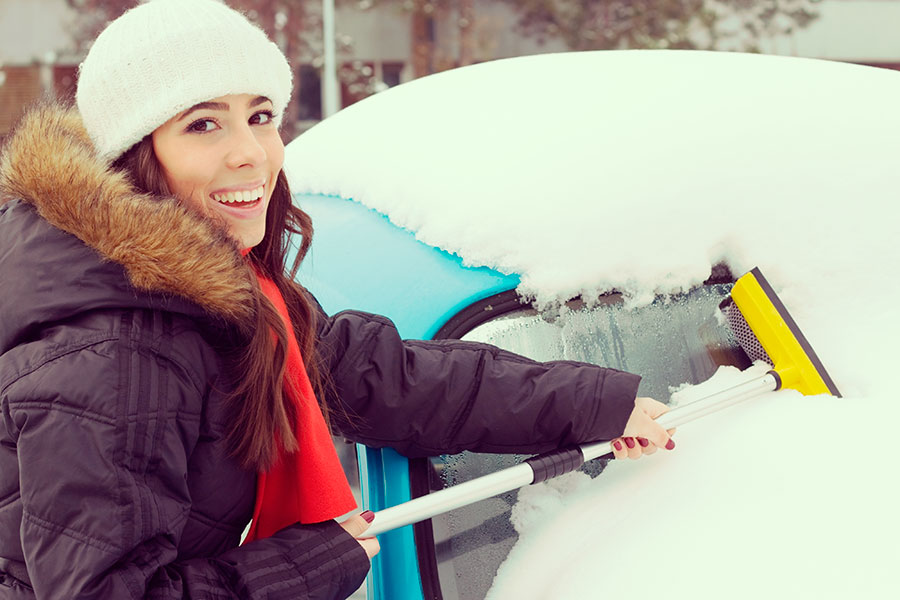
pixel 598 206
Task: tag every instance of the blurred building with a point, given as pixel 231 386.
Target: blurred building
pixel 36 54
pixel 386 44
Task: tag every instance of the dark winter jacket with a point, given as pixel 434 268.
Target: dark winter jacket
pixel 114 481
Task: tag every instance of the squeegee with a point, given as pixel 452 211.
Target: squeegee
pixel 765 331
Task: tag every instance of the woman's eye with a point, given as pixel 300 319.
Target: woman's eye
pixel 202 126
pixel 263 117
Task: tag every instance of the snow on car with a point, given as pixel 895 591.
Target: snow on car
pixel 569 176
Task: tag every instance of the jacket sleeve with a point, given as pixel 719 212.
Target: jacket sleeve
pixel 442 397
pixel 105 496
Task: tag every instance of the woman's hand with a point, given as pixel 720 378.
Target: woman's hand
pixel 356 526
pixel 643 435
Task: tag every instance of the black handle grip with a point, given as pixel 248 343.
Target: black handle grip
pixel 554 463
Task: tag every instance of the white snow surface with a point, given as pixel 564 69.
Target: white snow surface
pixel 637 171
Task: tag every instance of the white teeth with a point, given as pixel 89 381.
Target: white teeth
pixel 245 196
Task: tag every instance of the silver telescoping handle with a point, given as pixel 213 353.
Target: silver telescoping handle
pixel 560 461
pixel 698 408
pixel 448 499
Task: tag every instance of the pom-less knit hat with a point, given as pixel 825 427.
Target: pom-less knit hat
pixel 163 57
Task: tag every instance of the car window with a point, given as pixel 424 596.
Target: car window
pixel 673 341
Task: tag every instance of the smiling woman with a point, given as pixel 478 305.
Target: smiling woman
pixel 223 157
pixel 164 380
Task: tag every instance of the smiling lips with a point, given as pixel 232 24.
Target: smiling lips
pixel 238 198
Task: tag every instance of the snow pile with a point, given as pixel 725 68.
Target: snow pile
pixel 637 171
pixel 782 496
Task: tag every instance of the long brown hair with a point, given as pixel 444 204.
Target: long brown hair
pixel 261 412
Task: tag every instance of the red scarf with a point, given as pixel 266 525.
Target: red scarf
pixel 308 486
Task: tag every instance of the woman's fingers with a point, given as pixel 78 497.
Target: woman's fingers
pixel 370 545
pixel 647 447
pixel 643 435
pixel 659 436
pixel 652 407
pixel 636 447
pixel 357 526
pixel 632 447
pixel 642 426
pixel 642 423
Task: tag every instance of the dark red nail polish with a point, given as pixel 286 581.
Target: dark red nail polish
pixel 617 445
pixel 644 442
pixel 368 515
pixel 670 445
pixel 629 442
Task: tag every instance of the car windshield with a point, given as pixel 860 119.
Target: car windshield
pixel 673 341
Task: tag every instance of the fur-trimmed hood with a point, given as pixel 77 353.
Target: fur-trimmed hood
pixel 151 249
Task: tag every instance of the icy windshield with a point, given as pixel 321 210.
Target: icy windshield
pixel 673 341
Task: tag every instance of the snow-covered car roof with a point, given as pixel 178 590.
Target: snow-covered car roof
pixel 655 164
pixel 638 171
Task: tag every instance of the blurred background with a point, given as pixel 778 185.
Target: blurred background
pixel 345 50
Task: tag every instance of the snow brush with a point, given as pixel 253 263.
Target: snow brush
pixel 765 331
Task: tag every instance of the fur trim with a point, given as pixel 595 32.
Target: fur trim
pixel 49 162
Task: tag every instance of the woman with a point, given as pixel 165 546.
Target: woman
pixel 159 371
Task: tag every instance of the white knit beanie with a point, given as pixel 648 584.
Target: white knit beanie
pixel 163 57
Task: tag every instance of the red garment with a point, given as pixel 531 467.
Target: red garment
pixel 308 486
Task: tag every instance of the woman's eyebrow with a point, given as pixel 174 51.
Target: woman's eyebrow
pixel 204 105
pixel 257 101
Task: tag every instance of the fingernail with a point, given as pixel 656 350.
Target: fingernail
pixel 670 445
pixel 368 515
pixel 629 442
pixel 617 445
pixel 644 442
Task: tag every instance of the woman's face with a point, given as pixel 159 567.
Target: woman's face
pixel 223 157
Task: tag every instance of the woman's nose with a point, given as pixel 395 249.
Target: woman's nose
pixel 245 149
